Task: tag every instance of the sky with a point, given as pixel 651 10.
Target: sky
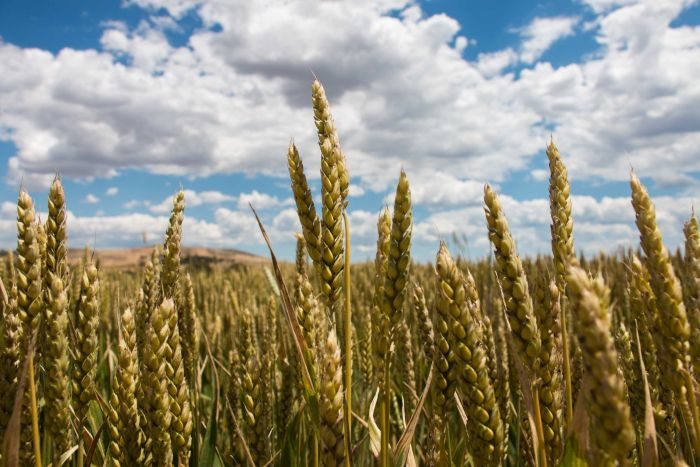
pixel 131 100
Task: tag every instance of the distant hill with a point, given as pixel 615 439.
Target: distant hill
pixel 136 257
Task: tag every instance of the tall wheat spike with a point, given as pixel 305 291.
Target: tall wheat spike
pixel 85 350
pixel 395 287
pixel 56 346
pixel 399 257
pixel 380 321
pixel 365 356
pixel 425 324
pixel 306 304
pixel 331 404
pixel 179 392
pixel 332 237
pixel 126 428
pixel 444 381
pixel 563 252
pixel 188 324
pixel 631 375
pixel 170 275
pixel 251 392
pixel 10 357
pixel 547 310
pixel 613 435
pixel 646 314
pixel 311 225
pixel 29 300
pixel 562 222
pixel 29 266
pixel 327 132
pixel 692 258
pixel 471 371
pixel 148 299
pixel 523 324
pixel 154 381
pixel 673 326
pixel 406 371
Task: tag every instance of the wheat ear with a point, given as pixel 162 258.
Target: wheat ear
pixel 614 434
pixel 674 329
pixel 471 371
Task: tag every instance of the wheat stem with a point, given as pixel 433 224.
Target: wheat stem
pixel 34 412
pixel 348 344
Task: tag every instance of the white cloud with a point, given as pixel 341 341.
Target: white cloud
pixel 539 174
pixel 240 225
pixel 260 201
pixel 356 190
pixel 603 225
pixel 363 227
pixel 493 63
pixel 230 100
pixel 112 191
pixel 442 189
pixel 91 199
pixel 612 116
pixel 193 199
pixel 8 209
pixel 601 6
pixel 541 33
pixel 132 203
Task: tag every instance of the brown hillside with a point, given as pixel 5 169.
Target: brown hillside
pixel 136 257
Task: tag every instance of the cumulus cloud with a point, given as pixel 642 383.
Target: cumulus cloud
pixel 541 33
pixel 130 229
pixel 492 63
pixel 443 189
pixel 112 191
pixel 230 100
pixel 91 199
pixel 192 199
pixel 401 91
pixel 539 174
pixel 600 6
pixel 132 203
pixel 260 200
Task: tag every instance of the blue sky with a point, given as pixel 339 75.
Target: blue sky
pixel 131 100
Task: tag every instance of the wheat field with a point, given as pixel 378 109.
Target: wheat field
pixel 508 360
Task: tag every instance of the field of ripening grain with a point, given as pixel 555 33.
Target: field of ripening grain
pixel 507 361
